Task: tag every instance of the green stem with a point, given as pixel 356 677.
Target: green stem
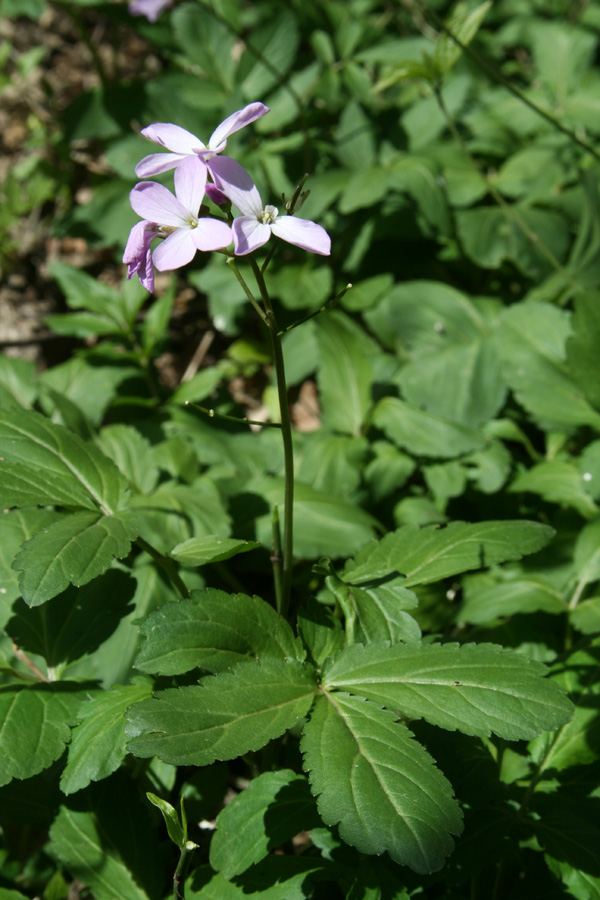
pixel 233 266
pixel 242 420
pixel 286 432
pixel 179 876
pixel 166 565
pixel 276 559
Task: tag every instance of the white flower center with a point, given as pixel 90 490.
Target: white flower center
pixel 269 215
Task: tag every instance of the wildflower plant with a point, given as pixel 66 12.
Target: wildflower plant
pixel 356 660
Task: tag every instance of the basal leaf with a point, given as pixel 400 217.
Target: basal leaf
pixel 132 454
pixel 464 23
pixel 345 372
pixel 377 611
pixel 44 464
pixel 321 632
pixel 582 345
pixel 275 807
pixel 18 526
pixel 73 550
pixel 213 631
pixel 225 716
pixel 476 689
pixel 422 433
pixel 276 878
pixel 378 784
pixel 429 554
pixel 97 746
pixel 531 343
pixel 34 723
pixel 483 603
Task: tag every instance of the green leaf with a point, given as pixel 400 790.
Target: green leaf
pixel 276 878
pixel 82 291
pixel 278 44
pixel 324 525
pixel 132 454
pixel 200 386
pixel 557 481
pixel 77 622
pixel 463 23
pixel 227 715
pixel 582 345
pixel 105 840
pixel 531 342
pixel 482 604
pixel 210 549
pixel 453 367
pixel 332 463
pixel 97 746
pixel 156 322
pixel 275 808
pixel 89 387
pixel 476 689
pixel 171 820
pixel 345 373
pixel 73 550
pixel 82 325
pixel 378 784
pixel 18 526
pixel 429 554
pixel 380 610
pixel 17 381
pixel 321 633
pixel 207 42
pixel 34 722
pixel 213 631
pixel 44 464
pixel 576 743
pixel 491 235
pixel 423 434
pixel 586 616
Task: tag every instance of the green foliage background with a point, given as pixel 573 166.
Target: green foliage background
pixel 457 382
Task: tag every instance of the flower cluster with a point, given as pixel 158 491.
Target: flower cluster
pixel 183 224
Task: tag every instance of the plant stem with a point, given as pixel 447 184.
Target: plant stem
pixel 166 565
pixel 232 265
pixel 276 559
pixel 179 876
pixel 286 433
pixel 242 420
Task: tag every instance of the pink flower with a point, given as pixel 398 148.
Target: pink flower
pixel 174 218
pixel 256 224
pixel 183 143
pixel 149 8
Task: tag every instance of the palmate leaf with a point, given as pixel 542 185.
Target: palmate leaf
pixel 378 784
pixel 476 689
pixel 213 631
pixel 225 716
pixel 429 554
pixel 44 464
pixel 73 550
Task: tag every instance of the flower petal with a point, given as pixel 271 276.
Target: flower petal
pixel 173 137
pixel 249 234
pixel 302 233
pixel 190 182
pixel 157 163
pixel 157 204
pixel 137 255
pixel 233 123
pixel 234 181
pixel 175 251
pixel 211 234
pixel 217 196
pixel 149 8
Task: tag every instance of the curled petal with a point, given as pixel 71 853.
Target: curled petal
pixel 173 137
pixel 138 257
pixel 175 251
pixel 249 234
pixel 190 181
pixel 156 203
pixel 302 233
pixel 233 123
pixel 211 234
pixel 157 163
pixel 217 196
pixel 232 178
